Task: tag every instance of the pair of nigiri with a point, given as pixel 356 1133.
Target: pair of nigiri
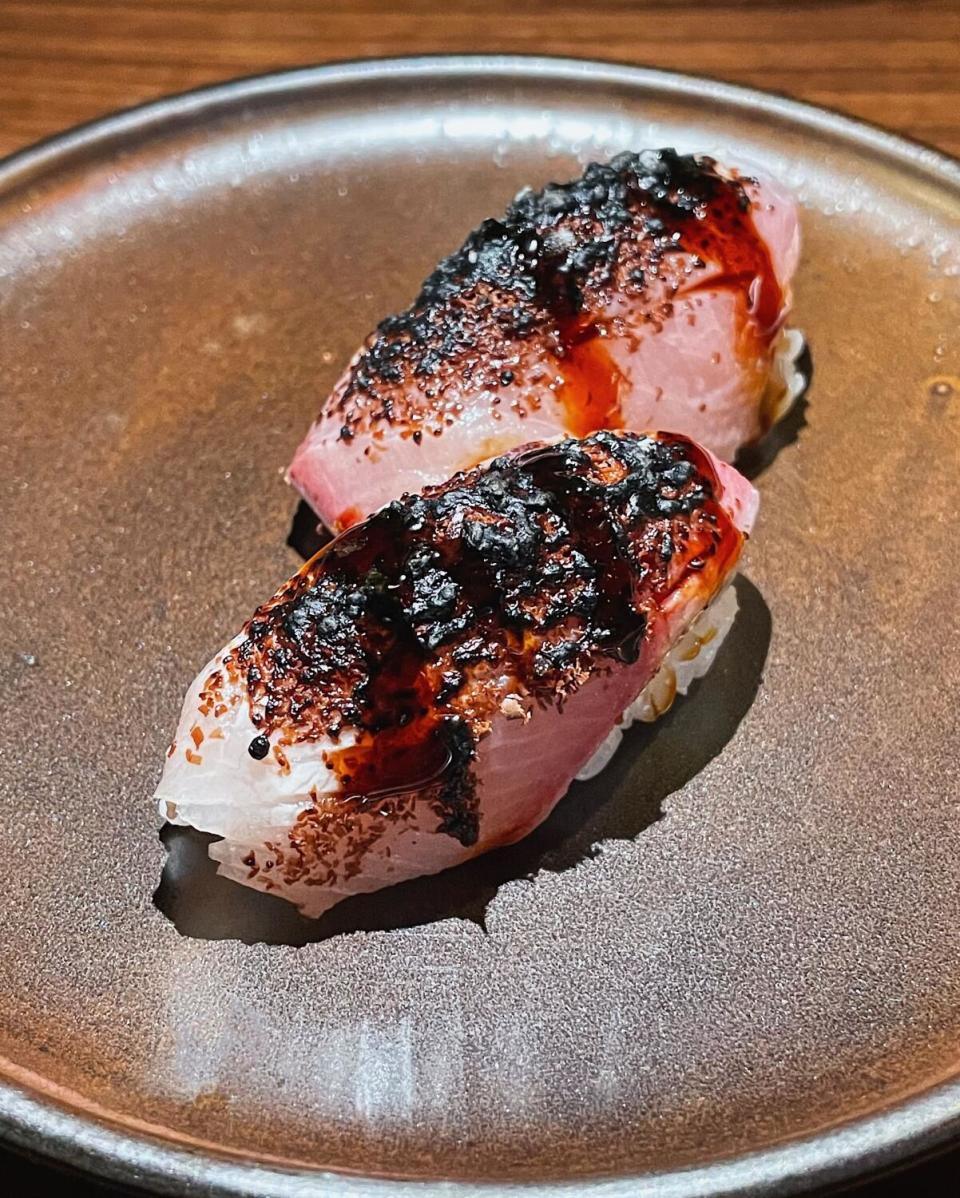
pixel 428 685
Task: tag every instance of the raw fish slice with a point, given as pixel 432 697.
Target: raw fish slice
pixel 649 293
pixel 427 686
pixel 686 661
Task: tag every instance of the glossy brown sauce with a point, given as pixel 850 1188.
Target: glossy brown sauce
pixel 549 563
pixel 590 391
pixel 646 229
pixel 726 238
pixel 347 518
pixel 723 236
pixel 401 747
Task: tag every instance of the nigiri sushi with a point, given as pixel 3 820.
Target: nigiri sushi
pixel 650 293
pixel 429 684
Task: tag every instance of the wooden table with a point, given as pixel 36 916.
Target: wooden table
pixel 895 63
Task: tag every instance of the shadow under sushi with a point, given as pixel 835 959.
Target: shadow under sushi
pixel 307 535
pixel 653 762
pixel 753 460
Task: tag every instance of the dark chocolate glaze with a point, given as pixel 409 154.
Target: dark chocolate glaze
pixel 519 579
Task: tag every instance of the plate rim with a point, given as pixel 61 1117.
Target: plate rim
pixel 29 161
pixel 42 1119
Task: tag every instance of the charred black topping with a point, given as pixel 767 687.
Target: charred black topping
pixel 259 747
pixel 528 252
pixel 550 260
pixel 456 803
pixel 412 627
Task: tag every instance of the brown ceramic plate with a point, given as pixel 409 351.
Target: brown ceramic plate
pixel 731 964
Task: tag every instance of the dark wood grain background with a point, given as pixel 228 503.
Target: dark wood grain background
pixel 895 63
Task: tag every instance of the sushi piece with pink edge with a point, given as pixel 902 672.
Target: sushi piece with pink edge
pixel 427 687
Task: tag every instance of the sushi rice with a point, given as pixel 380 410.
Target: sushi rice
pixel 689 659
pixel 787 380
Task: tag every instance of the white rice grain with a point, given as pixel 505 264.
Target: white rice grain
pixel 688 660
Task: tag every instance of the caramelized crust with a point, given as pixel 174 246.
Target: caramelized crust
pixel 535 288
pixel 504 588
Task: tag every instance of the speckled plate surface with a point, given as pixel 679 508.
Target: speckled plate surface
pixel 732 963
